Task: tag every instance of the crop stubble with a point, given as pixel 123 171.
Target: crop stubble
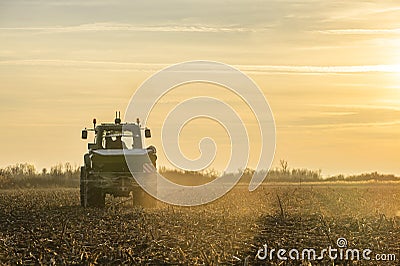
pixel 47 226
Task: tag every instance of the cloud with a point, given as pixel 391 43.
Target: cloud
pixel 320 69
pixel 348 116
pixel 353 107
pixel 360 31
pixel 249 69
pixel 94 27
pixel 346 125
pixel 60 62
pixel 86 65
pixel 89 3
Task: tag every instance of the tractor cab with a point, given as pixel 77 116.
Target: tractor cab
pixel 116 135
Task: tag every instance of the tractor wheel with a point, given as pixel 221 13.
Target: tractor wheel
pixel 91 196
pixel 82 186
pixel 142 199
pixel 94 196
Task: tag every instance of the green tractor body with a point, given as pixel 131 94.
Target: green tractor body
pixel 106 171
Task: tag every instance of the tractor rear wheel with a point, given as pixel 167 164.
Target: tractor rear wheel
pixel 82 186
pixel 95 197
pixel 91 196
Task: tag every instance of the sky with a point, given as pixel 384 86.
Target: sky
pixel 330 71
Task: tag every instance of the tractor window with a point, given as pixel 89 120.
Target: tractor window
pixel 127 138
pixel 115 139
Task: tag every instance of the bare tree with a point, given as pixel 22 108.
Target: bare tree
pixel 284 166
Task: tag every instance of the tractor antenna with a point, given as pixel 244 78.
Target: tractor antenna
pixel 117 117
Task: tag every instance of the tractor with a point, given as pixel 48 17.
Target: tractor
pixel 106 169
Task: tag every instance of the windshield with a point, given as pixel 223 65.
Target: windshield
pixel 117 139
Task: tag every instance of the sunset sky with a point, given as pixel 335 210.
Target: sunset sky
pixel 329 69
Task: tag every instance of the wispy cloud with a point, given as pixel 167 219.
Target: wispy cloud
pixel 60 62
pixel 62 3
pixel 352 107
pixel 360 31
pixel 320 69
pixel 86 65
pixel 341 126
pixel 349 116
pixel 93 27
pixel 255 69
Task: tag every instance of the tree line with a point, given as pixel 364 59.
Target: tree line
pixel 25 175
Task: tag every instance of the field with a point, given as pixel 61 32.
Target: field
pixel 48 226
